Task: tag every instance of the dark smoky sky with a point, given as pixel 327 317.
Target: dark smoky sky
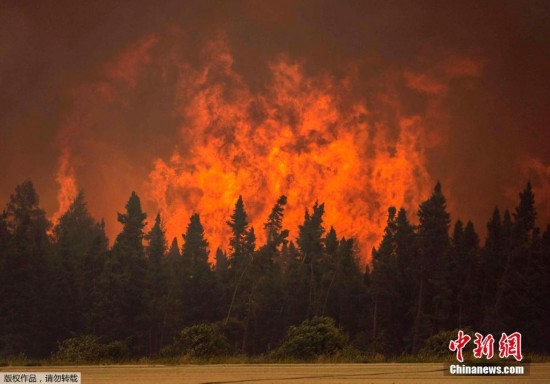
pixel 498 125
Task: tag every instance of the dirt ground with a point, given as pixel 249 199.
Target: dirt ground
pixel 291 373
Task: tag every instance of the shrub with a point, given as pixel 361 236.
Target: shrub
pixel 88 348
pixel 438 344
pixel 201 340
pixel 312 338
pixel 80 348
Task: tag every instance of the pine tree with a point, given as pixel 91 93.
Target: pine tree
pixel 239 230
pixel 465 275
pixel 195 248
pixel 121 311
pixel 174 272
pixel 349 288
pixel 242 245
pixel 274 225
pixel 391 284
pixel 201 293
pixel 79 254
pixel 433 299
pixel 492 263
pixel 296 291
pixel 157 287
pixel 525 216
pixel 521 279
pixel 311 245
pixel 25 326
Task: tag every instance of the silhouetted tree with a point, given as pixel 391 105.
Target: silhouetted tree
pixel 157 286
pixel 80 250
pixel 433 299
pixel 25 324
pixel 201 296
pixel 464 278
pixel 121 310
pixel 311 246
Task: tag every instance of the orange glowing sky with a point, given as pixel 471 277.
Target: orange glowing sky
pixel 360 105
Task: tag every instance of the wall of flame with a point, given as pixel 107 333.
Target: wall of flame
pixel 311 136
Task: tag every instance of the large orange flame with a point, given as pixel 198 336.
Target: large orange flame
pixel 296 138
pixel 313 137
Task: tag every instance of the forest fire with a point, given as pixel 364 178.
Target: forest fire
pixel 292 140
pixel 387 140
pixel 307 136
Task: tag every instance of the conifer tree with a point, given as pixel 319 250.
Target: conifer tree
pixel 195 248
pixel 492 262
pixel 464 275
pixel 201 294
pixel 157 286
pixel 311 245
pixel 519 302
pixel 433 298
pixel 392 283
pixel 25 325
pixel 121 311
pixel 79 255
pixel 173 270
pixel 242 246
pixel 239 230
pixel 274 225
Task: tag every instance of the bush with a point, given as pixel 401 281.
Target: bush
pixel 88 348
pixel 438 344
pixel 201 340
pixel 311 339
pixel 79 349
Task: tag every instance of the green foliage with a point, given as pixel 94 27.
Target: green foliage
pixel 85 348
pixel 438 344
pixel 89 349
pixel 200 340
pixel 311 339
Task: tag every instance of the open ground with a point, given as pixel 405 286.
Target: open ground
pixel 284 373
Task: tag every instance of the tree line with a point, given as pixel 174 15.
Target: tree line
pixel 62 282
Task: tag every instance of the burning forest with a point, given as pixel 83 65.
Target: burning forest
pixel 283 158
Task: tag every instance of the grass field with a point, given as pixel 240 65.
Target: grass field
pixel 283 373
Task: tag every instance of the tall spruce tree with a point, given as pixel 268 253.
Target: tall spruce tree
pixel 121 310
pixel 522 277
pixel 263 322
pixel 80 250
pixel 391 284
pixel 25 324
pixel 241 243
pixel 201 293
pixel 311 245
pixel 239 229
pixel 157 287
pixel 174 272
pixel 464 278
pixel 433 298
pixel 492 264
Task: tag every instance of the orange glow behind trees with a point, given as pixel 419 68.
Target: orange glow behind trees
pixel 310 137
